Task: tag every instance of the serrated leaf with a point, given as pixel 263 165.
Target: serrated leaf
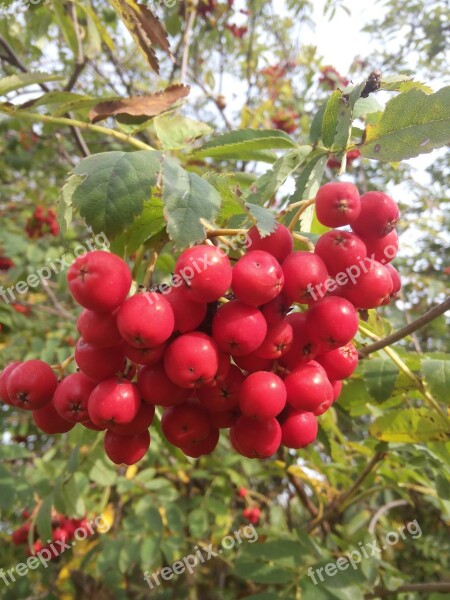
pixel 403 83
pixel 44 519
pixel 307 183
pixel 114 188
pixel 148 224
pixel 231 206
pixel 65 208
pixel 264 218
pixel 55 98
pixel 176 132
pixel 198 523
pixel 411 425
pixel 413 123
pixel 187 200
pixel 22 80
pixel 380 375
pixel 331 117
pixel 366 106
pixel 437 376
pixel 346 116
pixel 243 142
pixel 317 124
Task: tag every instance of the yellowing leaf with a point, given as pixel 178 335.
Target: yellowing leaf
pixel 131 472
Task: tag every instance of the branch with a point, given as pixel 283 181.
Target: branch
pixel 432 314
pixel 303 496
pixel 187 40
pixel 438 587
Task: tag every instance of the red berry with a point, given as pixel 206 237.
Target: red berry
pixel 203 447
pixel 373 287
pixel 98 329
pixel 191 360
pixel 252 515
pixel 72 395
pixel 252 363
pixel 337 389
pixel 188 314
pixel 337 204
pixel 332 322
pixel 126 449
pixel 50 421
pixel 307 388
pixel 276 310
pixel 205 272
pixel 139 424
pixel 379 216
pixel 339 250
pixel 4 376
pixel 303 348
pixel 299 429
pixel 257 278
pixel 304 273
pixel 255 438
pixel 339 363
pixel 99 363
pixel 157 389
pixel 114 401
pixel 396 281
pixel 277 342
pixel 99 281
pixel 20 535
pixel 262 395
pixel 279 243
pixel 145 356
pixel 242 492
pixel 225 395
pixel 238 328
pixel 146 320
pixel 223 420
pixel 185 424
pixel 384 249
pixel 31 385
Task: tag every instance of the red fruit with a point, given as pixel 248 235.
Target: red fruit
pixel 242 492
pixel 71 397
pixel 254 438
pixel 373 287
pixel 185 424
pixel 188 314
pixel 299 430
pixel 146 320
pixel 379 216
pixel 20 535
pixel 204 447
pixel 60 534
pixel 332 322
pixel 225 395
pixel 305 277
pixel 262 395
pixel 114 401
pixel 396 281
pixel 126 449
pixel 307 388
pixel 239 329
pixel 337 389
pixel 252 363
pixel 5 263
pixel 339 363
pixel 145 356
pixel 4 376
pixel 384 249
pixel 279 243
pixel 50 421
pixel 222 420
pixel 223 369
pixel 276 310
pixel 191 360
pixel 205 272
pixel 139 424
pixel 277 342
pixel 257 278
pixel 157 389
pixel 90 425
pixel 324 407
pixel 99 281
pixel 99 363
pixel 339 250
pixel 31 385
pixel 99 329
pixel 303 348
pixel 337 204
pixel 252 515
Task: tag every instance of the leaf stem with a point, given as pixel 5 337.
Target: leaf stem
pixel 305 204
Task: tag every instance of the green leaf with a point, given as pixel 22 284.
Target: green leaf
pixel 413 123
pixel 437 376
pixel 8 487
pixel 148 224
pixel 403 83
pixel 366 106
pixel 102 472
pixel 68 498
pixel 22 80
pixel 264 218
pixel 176 132
pixel 198 523
pixel 307 184
pixel 187 199
pixel 258 572
pixel 114 188
pixel 317 124
pixel 380 375
pixel 411 425
pixel 231 206
pixel 331 117
pixel 243 142
pixel 66 25
pixel 65 208
pixel 346 116
pixel 44 519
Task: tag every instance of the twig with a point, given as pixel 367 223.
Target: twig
pixel 383 510
pixel 438 587
pixel 54 300
pixel 187 39
pixel 429 316
pixel 303 496
pixel 299 213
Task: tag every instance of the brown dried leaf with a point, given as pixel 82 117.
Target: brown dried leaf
pixel 145 27
pixel 140 106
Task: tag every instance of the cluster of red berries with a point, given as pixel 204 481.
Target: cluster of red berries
pixel 252 514
pixel 242 362
pixel 352 155
pixel 64 531
pixel 331 79
pixel 42 222
pixel 286 121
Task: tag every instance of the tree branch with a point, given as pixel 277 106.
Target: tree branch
pixel 303 496
pixel 432 314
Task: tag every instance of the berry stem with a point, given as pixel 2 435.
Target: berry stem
pixel 304 240
pixel 225 232
pixel 305 205
pixel 62 366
